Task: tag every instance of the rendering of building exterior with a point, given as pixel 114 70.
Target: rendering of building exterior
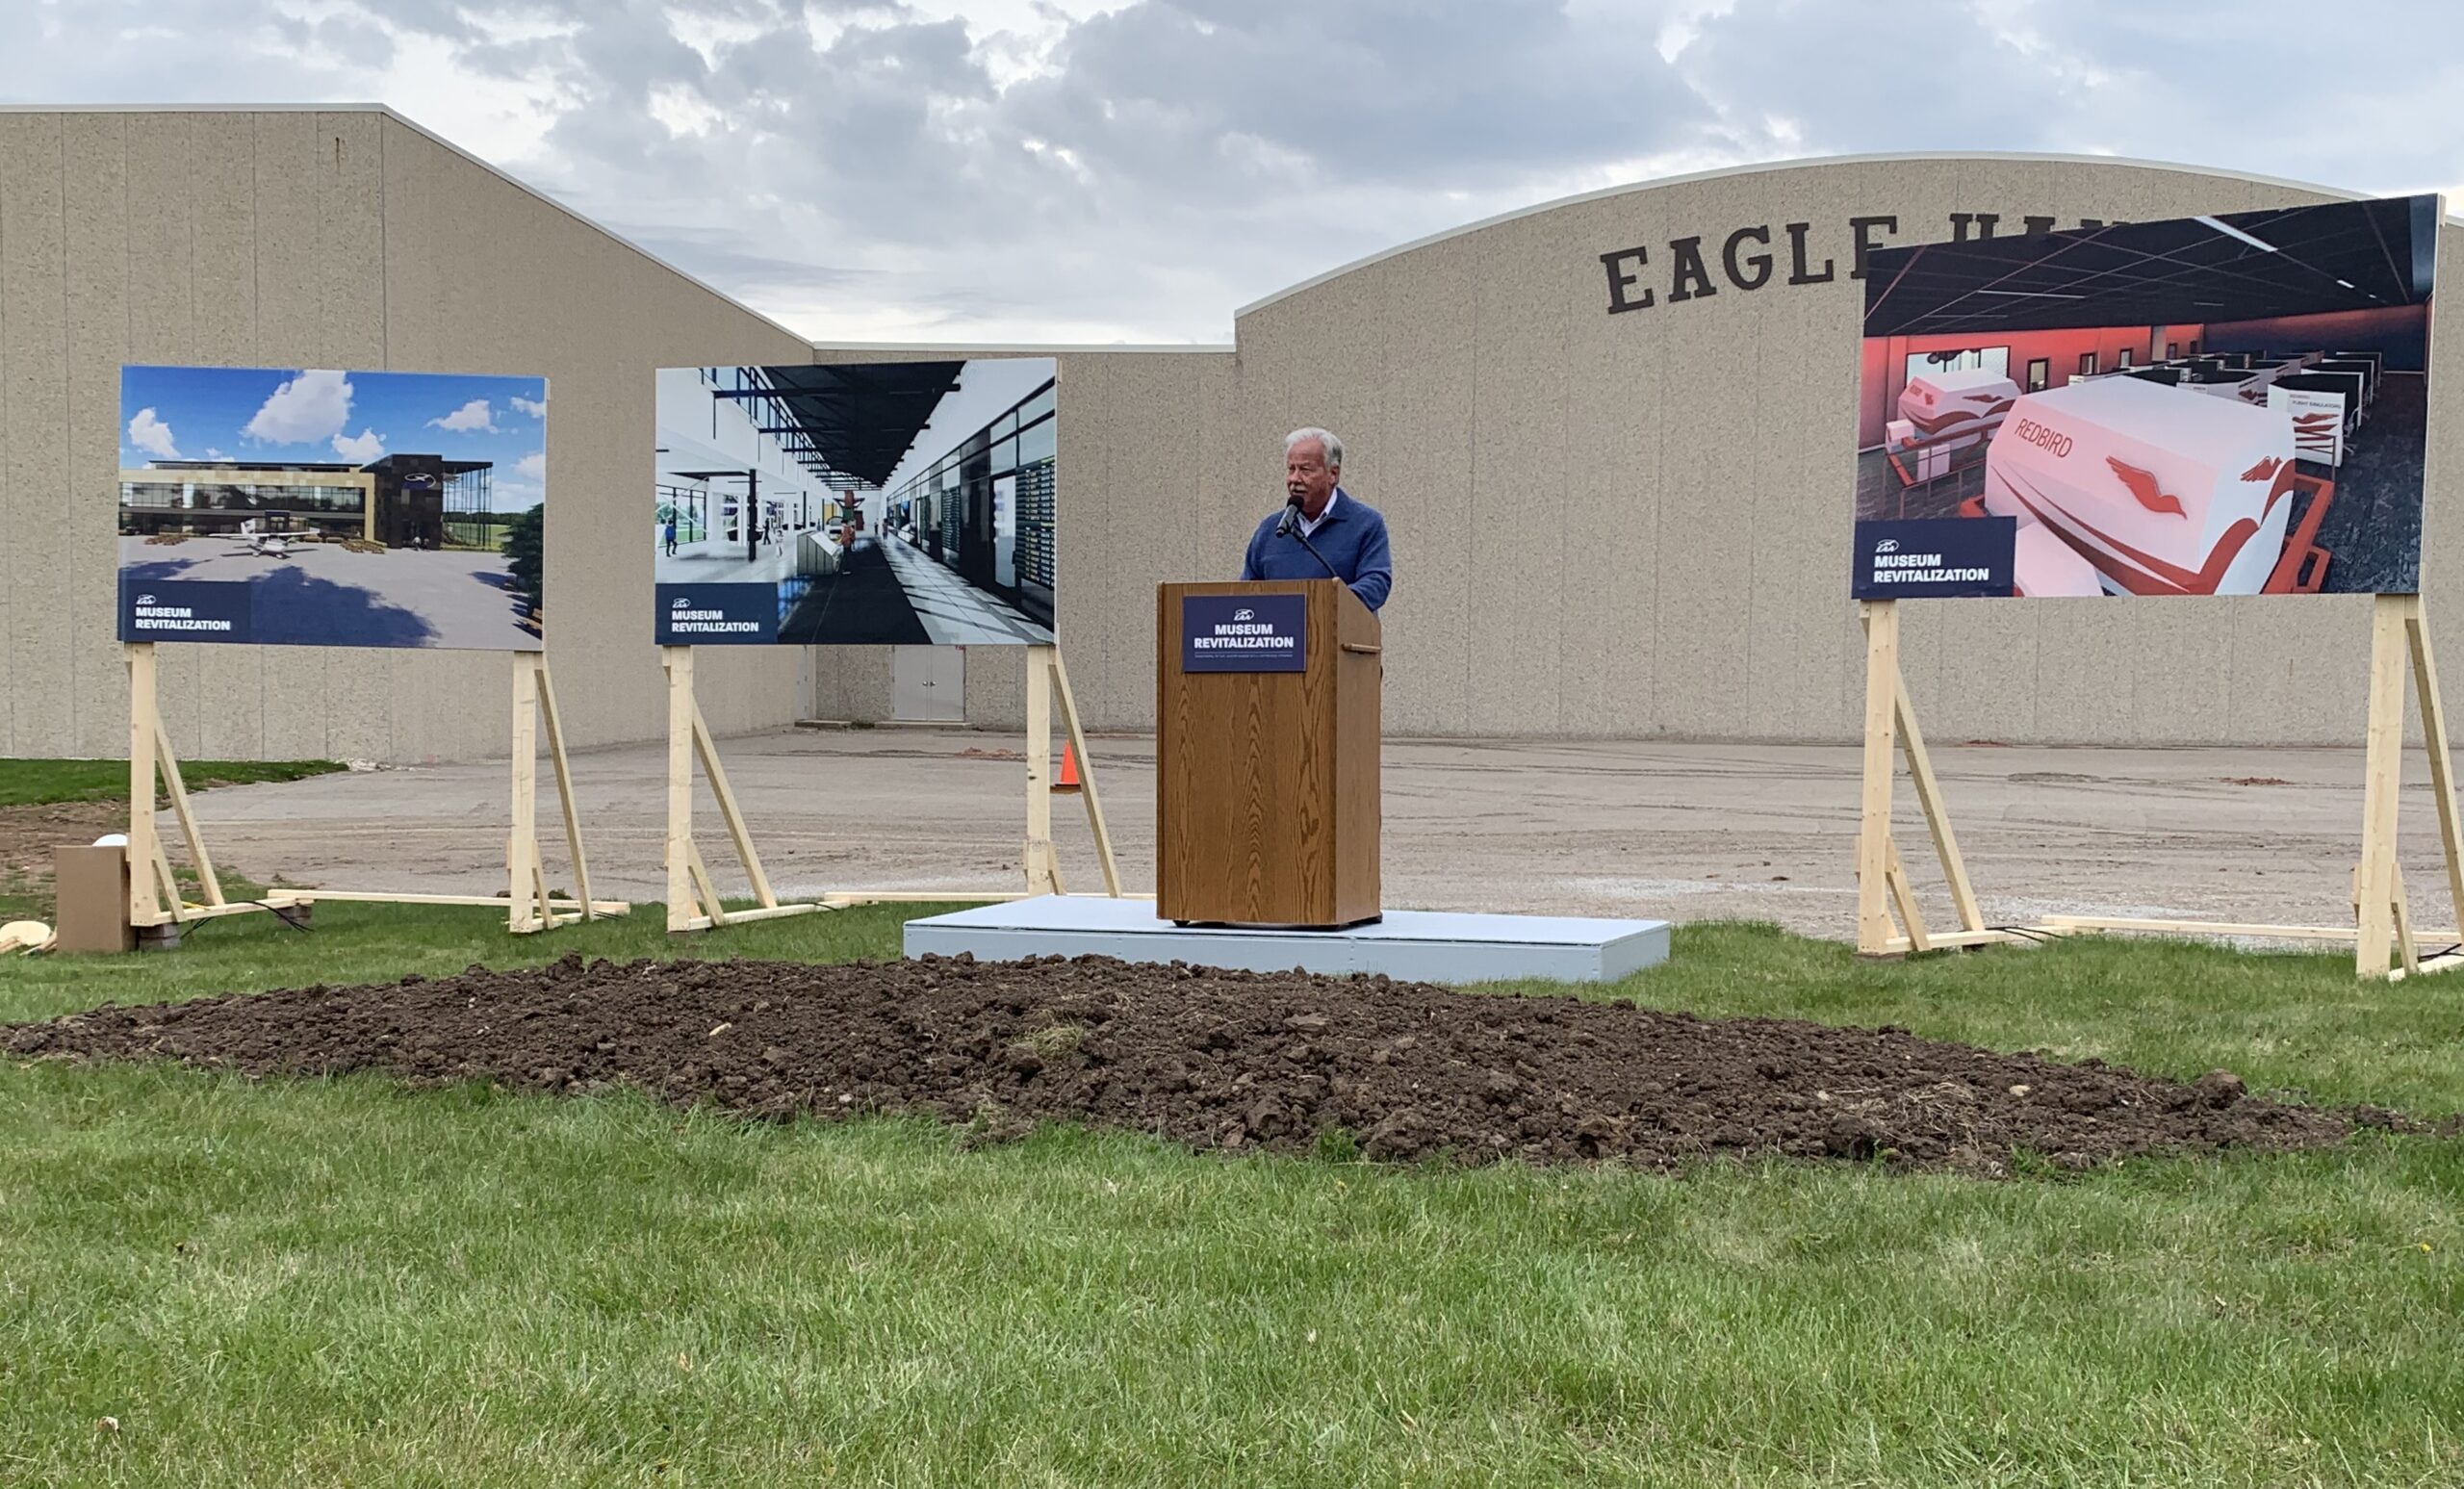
pixel 400 501
pixel 220 497
pixel 1609 434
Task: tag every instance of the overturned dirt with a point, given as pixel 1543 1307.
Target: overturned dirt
pixel 30 831
pixel 1212 1059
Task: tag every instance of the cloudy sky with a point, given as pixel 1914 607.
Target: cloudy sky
pixel 1133 170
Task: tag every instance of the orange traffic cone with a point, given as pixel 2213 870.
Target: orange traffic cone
pixel 1069 781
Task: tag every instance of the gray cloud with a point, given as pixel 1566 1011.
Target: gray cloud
pixel 1839 77
pixel 1396 92
pixel 2354 94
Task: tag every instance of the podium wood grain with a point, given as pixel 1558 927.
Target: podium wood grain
pixel 1266 805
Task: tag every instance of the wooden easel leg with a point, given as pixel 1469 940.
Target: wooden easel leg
pixel 730 812
pixel 1904 895
pixel 2383 774
pixel 2408 954
pixel 1086 776
pixel 680 714
pixel 1938 814
pixel 144 730
pixel 175 906
pixel 692 899
pixel 177 789
pixel 526 910
pixel 2442 769
pixel 548 715
pixel 703 900
pixel 1873 822
pixel 1042 868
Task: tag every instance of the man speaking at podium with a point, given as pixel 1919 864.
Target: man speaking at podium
pixel 1323 530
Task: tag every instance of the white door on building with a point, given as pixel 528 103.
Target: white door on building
pixel 928 684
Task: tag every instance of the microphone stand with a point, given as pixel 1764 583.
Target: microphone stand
pixel 1320 557
pixel 1290 525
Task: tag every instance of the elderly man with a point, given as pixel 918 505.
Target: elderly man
pixel 1349 536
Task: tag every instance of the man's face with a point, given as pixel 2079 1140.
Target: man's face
pixel 1305 476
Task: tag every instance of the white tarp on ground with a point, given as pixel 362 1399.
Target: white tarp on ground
pixel 2166 492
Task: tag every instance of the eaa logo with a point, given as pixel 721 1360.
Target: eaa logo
pixel 145 600
pixel 680 602
pixel 1245 613
pixel 1888 546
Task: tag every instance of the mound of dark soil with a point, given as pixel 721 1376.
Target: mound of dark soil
pixel 1213 1059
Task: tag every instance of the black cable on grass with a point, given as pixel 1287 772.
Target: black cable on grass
pixel 189 928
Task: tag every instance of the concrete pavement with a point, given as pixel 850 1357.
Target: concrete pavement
pixel 1681 830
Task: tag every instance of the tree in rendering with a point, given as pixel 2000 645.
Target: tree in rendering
pixel 525 556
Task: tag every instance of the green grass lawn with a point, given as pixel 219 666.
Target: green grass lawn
pixel 28 782
pixel 343 1281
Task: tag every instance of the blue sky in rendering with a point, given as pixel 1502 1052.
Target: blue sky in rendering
pixel 274 414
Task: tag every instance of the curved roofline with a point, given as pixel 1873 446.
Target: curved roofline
pixel 1806 162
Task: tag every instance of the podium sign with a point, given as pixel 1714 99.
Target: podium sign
pixel 1244 633
pixel 716 614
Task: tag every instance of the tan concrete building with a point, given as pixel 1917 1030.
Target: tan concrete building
pixel 1627 522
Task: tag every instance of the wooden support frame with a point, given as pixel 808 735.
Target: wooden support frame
pixel 1047 683
pixel 1883 882
pixel 2067 924
pixel 2400 633
pixel 153 892
pixel 693 901
pixel 154 895
pixel 2382 929
pixel 566 908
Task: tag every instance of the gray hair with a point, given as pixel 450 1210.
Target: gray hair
pixel 1327 440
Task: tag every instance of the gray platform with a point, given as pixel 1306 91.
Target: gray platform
pixel 1419 945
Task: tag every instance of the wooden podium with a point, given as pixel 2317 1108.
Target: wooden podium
pixel 1267 742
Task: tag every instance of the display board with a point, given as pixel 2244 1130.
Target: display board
pixel 2217 405
pixel 881 504
pixel 313 507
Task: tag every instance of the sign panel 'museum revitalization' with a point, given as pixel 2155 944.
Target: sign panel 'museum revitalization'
pixel 351 508
pixel 856 504
pixel 2210 405
pixel 1244 633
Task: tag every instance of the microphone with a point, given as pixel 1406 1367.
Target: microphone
pixel 1291 515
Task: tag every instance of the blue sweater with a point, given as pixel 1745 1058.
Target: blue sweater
pixel 1352 538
